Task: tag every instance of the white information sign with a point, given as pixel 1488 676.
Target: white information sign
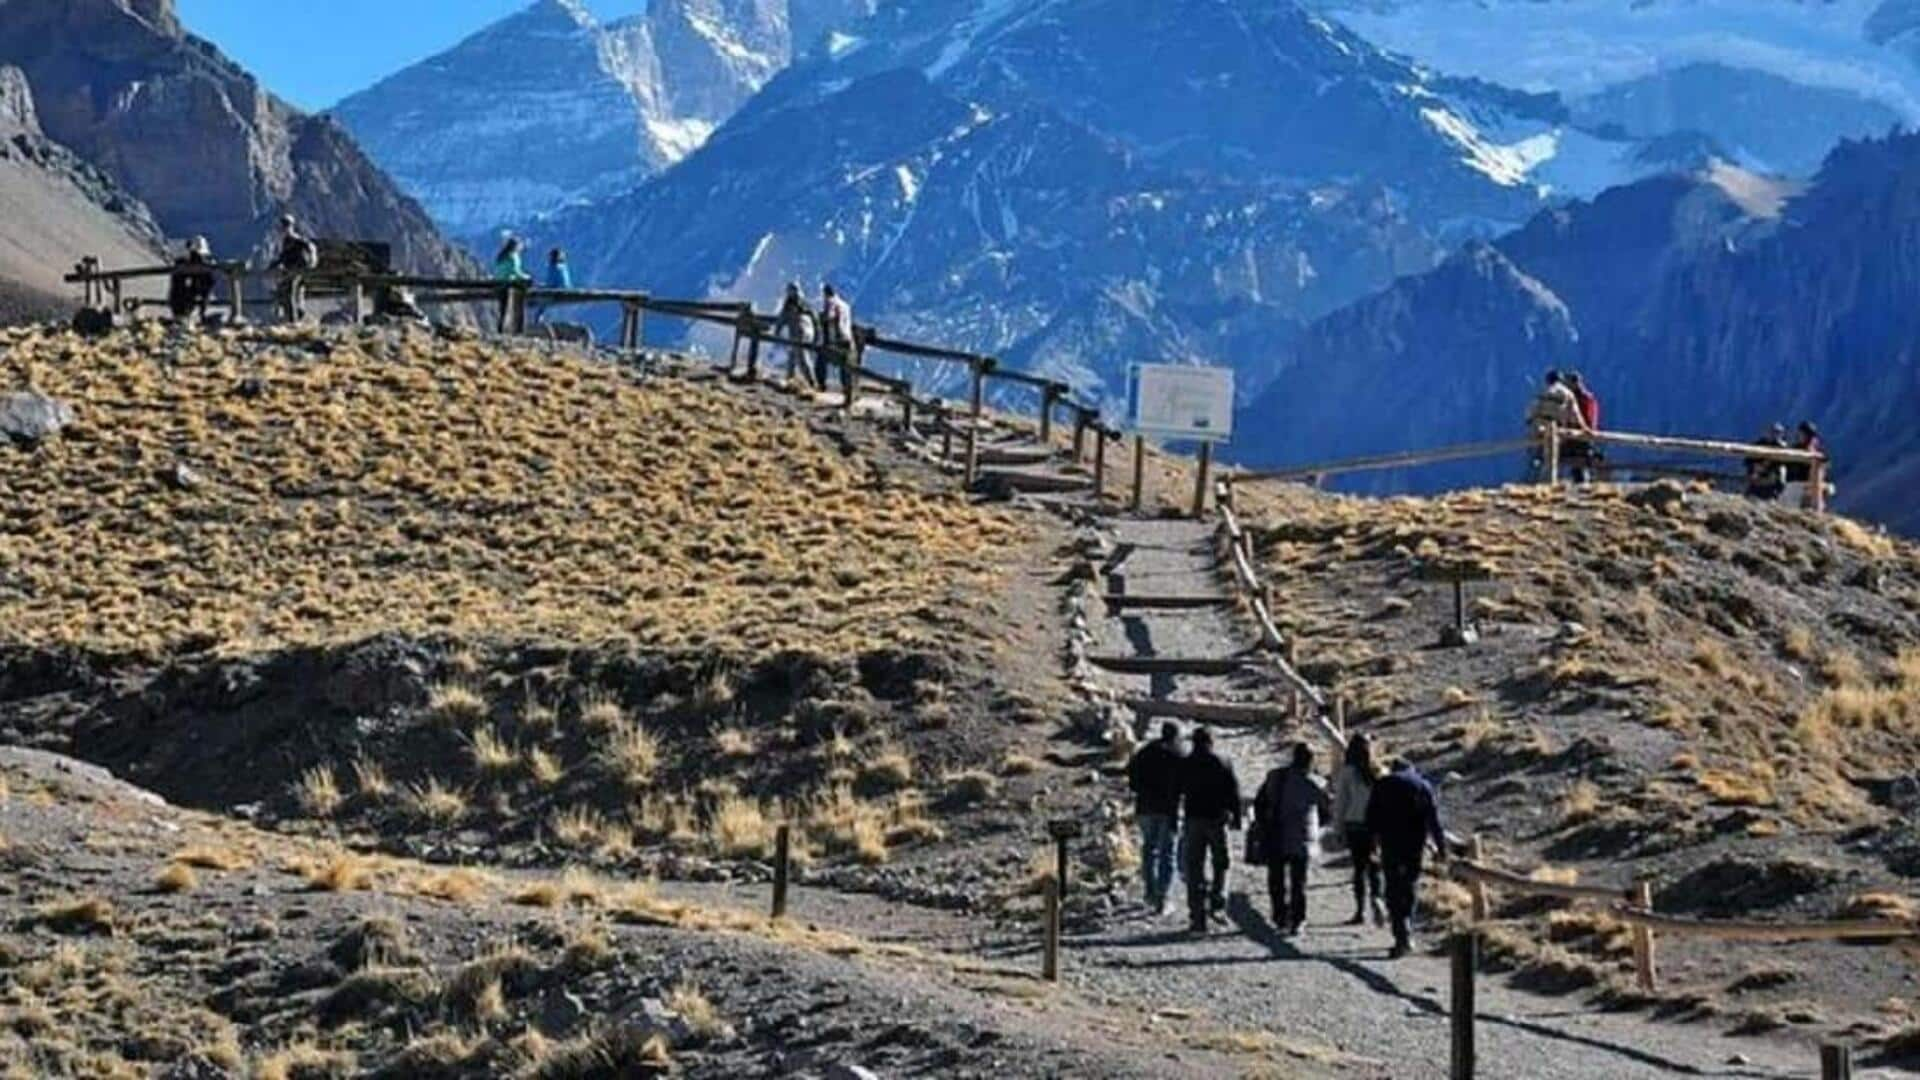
pixel 1179 401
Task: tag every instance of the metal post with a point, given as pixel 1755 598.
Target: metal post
pixel 359 301
pixel 1645 962
pixel 1200 485
pixel 1836 1062
pixel 1139 470
pixel 782 852
pixel 1050 954
pixel 1060 863
pixel 1482 902
pixel 1466 949
pixel 1460 606
pixel 973 427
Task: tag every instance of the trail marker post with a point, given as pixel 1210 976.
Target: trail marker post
pixel 1466 957
pixel 782 856
pixel 1836 1062
pixel 1645 962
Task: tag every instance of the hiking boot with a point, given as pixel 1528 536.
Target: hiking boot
pixel 1400 949
pixel 1359 919
pixel 1199 929
pixel 1217 905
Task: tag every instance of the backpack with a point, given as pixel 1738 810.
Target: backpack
pixel 301 254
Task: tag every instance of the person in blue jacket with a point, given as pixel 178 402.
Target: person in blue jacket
pixel 559 276
pixel 1403 814
pixel 507 267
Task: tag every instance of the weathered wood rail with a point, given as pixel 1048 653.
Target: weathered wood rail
pixel 1549 442
pixel 752 331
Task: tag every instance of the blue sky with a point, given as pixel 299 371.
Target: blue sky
pixel 313 54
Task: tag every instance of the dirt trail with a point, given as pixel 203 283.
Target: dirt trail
pixel 1334 986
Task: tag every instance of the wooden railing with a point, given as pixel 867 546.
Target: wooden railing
pixel 1549 442
pixel 751 331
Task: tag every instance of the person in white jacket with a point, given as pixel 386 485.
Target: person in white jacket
pixel 1351 791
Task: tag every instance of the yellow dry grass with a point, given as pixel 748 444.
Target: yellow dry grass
pixel 434 486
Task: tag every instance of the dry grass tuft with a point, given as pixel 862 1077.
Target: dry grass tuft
pixel 457 886
pixel 1581 803
pixel 176 877
pixel 212 858
pixel 88 914
pixel 601 711
pixel 370 777
pixel 318 793
pixel 739 828
pixel 544 768
pixel 632 753
pixel 1880 905
pixel 435 803
pixel 971 786
pixel 1015 763
pixel 889 768
pixel 733 743
pixel 457 703
pixel 578 827
pixel 702 1017
pixel 492 754
pixel 340 872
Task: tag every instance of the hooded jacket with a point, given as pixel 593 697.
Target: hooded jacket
pixel 1209 790
pixel 1154 777
pixel 1404 814
pixel 1286 808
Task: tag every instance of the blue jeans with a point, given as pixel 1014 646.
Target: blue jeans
pixel 1156 854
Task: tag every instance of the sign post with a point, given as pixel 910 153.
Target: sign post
pixel 1182 402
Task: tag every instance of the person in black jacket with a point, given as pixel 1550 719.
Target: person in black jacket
pixel 1154 777
pixel 1210 798
pixel 1404 815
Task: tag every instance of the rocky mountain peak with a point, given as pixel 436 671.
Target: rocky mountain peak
pixel 16 102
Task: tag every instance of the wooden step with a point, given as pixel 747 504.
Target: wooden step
pixel 1170 665
pixel 1166 601
pixel 1003 483
pixel 1210 712
pixel 1015 454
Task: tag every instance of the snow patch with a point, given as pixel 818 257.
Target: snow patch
pixel 839 44
pixel 909 183
pixel 677 138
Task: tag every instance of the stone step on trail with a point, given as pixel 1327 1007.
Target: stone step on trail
pixel 1172 665
pixel 1117 602
pixel 1217 713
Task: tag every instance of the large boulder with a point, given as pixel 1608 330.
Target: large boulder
pixel 28 417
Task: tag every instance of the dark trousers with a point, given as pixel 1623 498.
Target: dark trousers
pixel 1205 837
pixel 1402 872
pixel 1287 889
pixel 834 355
pixel 1366 868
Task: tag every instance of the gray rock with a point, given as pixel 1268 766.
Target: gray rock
pixel 561 1013
pixel 840 1070
pixel 28 417
pixel 182 478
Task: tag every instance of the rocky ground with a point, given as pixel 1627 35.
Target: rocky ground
pixel 471 727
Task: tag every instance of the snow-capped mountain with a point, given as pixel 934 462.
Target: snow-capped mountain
pixel 1774 82
pixel 549 106
pixel 1076 184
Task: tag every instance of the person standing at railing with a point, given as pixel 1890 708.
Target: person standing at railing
pixel 837 344
pixel 1403 814
pixel 1766 480
pixel 190 285
pixel 297 257
pixel 510 270
pixel 1581 454
pixel 1153 775
pixel 795 322
pixel 1352 791
pixel 1800 478
pixel 1210 802
pixel 1554 407
pixel 1286 812
pixel 559 277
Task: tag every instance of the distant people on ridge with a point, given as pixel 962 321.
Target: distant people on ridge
pixel 1288 809
pixel 559 276
pixel 190 285
pixel 297 256
pixel 837 344
pixel 1582 455
pixel 1557 406
pixel 1767 480
pixel 797 323
pixel 1403 815
pixel 1352 791
pixel 1210 802
pixel 1799 488
pixel 1154 775
pixel 509 268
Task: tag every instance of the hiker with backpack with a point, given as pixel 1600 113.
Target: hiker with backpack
pixel 1352 792
pixel 1210 804
pixel 1153 775
pixel 837 343
pixel 298 256
pixel 796 322
pixel 1403 814
pixel 1287 813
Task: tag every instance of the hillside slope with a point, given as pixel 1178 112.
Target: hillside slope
pixel 56 207
pixel 1709 305
pixel 198 140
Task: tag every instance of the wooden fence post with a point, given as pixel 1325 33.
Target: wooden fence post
pixel 1139 471
pixel 945 416
pixel 1050 951
pixel 1551 457
pixel 1836 1062
pixel 236 297
pixel 1049 396
pixel 1200 485
pixel 1099 464
pixel 1482 901
pixel 1817 486
pixel 973 425
pixel 1466 949
pixel 359 301
pixel 1645 963
pixel 1079 435
pixel 1340 713
pixel 782 854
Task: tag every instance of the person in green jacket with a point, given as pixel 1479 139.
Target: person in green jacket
pixel 508 267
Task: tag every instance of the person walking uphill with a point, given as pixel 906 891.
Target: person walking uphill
pixel 1404 815
pixel 1153 774
pixel 1291 804
pixel 1210 800
pixel 1352 791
